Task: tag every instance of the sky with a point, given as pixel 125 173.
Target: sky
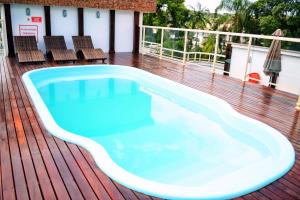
pixel 209 4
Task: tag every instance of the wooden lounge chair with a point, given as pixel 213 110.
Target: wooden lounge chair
pixel 57 49
pixel 85 49
pixel 27 50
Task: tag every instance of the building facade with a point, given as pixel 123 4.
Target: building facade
pixel 113 25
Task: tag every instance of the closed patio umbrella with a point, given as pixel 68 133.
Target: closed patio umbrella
pixel 272 65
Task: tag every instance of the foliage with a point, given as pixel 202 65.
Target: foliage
pixel 171 13
pixel 209 44
pixel 273 14
pixel 243 16
pixel 239 13
pixel 199 18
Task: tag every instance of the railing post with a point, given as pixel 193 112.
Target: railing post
pixel 2 47
pixel 215 54
pixel 248 58
pixel 144 39
pixel 298 103
pixel 161 44
pixel 184 47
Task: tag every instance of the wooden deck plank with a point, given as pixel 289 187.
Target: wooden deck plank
pixel 45 162
pixel 49 143
pixel 88 173
pixel 7 183
pixel 17 167
pixel 42 178
pixel 0 172
pixel 8 189
pixel 128 194
pixel 71 172
pixel 79 177
pixel 111 189
pixel 28 166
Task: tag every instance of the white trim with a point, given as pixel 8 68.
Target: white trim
pixel 266 49
pixel 141 30
pixel 241 182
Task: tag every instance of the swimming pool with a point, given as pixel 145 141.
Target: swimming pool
pixel 157 136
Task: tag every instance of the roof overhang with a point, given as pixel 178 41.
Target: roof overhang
pixel 136 5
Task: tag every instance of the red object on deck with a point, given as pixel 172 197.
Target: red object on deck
pixel 253 77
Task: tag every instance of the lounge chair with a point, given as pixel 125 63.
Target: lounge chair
pixel 85 49
pixel 57 49
pixel 27 50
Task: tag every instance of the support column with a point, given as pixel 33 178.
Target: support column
pixel 112 16
pixel 47 20
pixel 80 22
pixel 9 34
pixel 136 33
pixel 227 59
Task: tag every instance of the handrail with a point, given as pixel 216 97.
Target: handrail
pixel 186 54
pixel 288 39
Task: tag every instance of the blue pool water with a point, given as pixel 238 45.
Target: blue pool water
pixel 151 132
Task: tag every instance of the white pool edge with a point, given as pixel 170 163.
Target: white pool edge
pixel 125 178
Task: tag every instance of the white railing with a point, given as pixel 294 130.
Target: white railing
pixel 2 49
pixel 298 103
pixel 214 59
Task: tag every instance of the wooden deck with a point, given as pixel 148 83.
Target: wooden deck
pixel 36 165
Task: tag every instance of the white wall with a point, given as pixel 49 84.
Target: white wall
pixel 97 28
pixel 124 31
pixel 19 17
pixel 66 26
pixel 288 79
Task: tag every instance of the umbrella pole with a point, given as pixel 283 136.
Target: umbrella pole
pixel 273 79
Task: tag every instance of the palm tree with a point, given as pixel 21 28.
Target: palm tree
pixel 209 44
pixel 222 22
pixel 239 11
pixel 199 17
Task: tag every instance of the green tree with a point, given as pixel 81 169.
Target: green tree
pixel 273 14
pixel 172 13
pixel 270 15
pixel 222 22
pixel 209 44
pixel 239 11
pixel 199 17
